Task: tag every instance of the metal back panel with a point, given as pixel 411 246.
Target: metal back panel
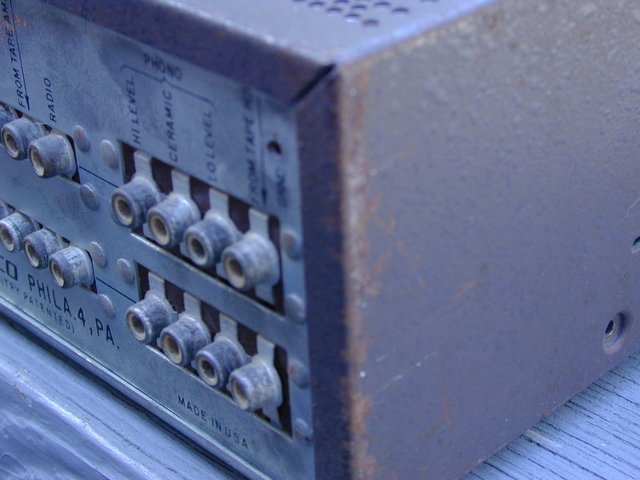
pixel 491 171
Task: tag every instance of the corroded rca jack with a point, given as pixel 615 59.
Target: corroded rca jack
pixel 18 134
pixel 131 202
pixel 52 155
pixel 40 245
pixel 207 239
pixel 182 339
pixel 216 361
pixel 14 229
pixel 147 318
pixel 256 385
pixel 71 266
pixel 169 220
pixel 250 262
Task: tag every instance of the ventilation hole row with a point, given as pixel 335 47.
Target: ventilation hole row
pixel 365 12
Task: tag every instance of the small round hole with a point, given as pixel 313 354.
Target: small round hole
pixel 614 333
pixel 10 143
pixel 400 11
pixel 240 394
pixel 57 274
pixel 159 230
pixel 635 247
pixel 32 254
pixel 136 326
pixel 36 162
pixel 171 349
pixel 7 239
pixel 122 210
pixel 235 271
pixel 273 146
pixel 197 250
pixel 207 371
pixel 611 328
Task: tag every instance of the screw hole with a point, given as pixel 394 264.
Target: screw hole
pixel 611 328
pixel 275 147
pixel 614 333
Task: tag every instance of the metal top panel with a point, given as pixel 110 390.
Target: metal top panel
pixel 279 46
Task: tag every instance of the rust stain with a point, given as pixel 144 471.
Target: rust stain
pixel 472 284
pixel 467 287
pixel 21 22
pixel 357 213
pixel 388 225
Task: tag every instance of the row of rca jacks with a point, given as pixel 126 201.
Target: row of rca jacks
pixel 69 265
pixel 248 260
pixel 49 152
pixel 220 361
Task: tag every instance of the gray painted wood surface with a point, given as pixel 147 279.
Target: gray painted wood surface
pixel 57 423
pixel 596 435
